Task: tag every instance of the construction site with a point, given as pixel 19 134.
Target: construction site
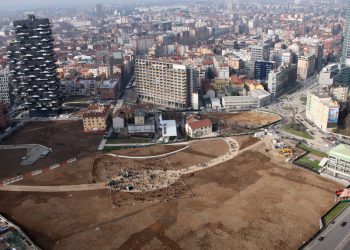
pixel 238 192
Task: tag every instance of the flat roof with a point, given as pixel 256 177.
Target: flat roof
pixel 169 128
pixel 341 151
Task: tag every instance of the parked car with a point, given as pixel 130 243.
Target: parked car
pixel 343 223
pixel 321 238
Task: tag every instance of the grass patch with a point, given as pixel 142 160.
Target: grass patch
pixel 334 212
pixel 287 108
pixel 303 99
pixel 128 140
pixel 298 130
pixel 312 151
pixel 307 162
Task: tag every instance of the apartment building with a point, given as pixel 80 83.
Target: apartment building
pixel 4 88
pixel 164 83
pixel 95 118
pixel 306 66
pixel 322 110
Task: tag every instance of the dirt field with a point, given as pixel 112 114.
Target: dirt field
pixel 9 158
pixel 65 138
pixel 83 170
pixel 252 119
pixel 245 203
pixel 246 141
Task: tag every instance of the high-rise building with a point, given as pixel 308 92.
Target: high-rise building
pixel 32 67
pixel 262 70
pixel 163 83
pixel 5 88
pixel 260 52
pixel 306 66
pixel 282 80
pixel 345 59
pixel 317 50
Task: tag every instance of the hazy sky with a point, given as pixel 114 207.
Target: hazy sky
pixel 20 4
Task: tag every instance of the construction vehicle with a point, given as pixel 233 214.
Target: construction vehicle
pixel 286 152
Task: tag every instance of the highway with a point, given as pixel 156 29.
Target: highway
pixel 335 236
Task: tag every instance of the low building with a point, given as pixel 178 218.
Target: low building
pixel 198 128
pixel 240 103
pixel 322 109
pixel 4 116
pixel 109 89
pixel 95 118
pixel 339 161
pixel 263 95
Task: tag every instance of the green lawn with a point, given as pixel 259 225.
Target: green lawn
pixel 302 133
pixel 306 161
pixel 334 212
pixel 313 151
pixel 128 140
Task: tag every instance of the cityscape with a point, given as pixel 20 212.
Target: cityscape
pixel 175 125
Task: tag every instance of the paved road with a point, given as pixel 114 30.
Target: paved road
pixel 336 236
pixel 50 189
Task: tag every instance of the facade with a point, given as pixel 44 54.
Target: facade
pixel 78 87
pixel 4 116
pixel 260 52
pixel 95 118
pixel 322 110
pixel 340 93
pixel 240 103
pixel 306 66
pixel 282 80
pixel 263 96
pixel 262 70
pixel 327 74
pixel 33 68
pixel 5 88
pixel 317 50
pixel 109 89
pixel 198 128
pixel 164 83
pixel 345 58
pixel 221 67
pixel 339 160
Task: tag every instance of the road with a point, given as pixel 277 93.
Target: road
pixel 53 189
pixel 335 236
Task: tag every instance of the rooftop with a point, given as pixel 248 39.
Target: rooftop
pixel 200 124
pixel 341 151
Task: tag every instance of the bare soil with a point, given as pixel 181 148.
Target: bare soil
pixel 66 138
pixel 245 203
pixel 246 141
pixel 251 119
pixel 9 158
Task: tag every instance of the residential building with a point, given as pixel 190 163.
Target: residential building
pixel 282 80
pixel 339 161
pixel 109 89
pixel 198 128
pixel 317 50
pixel 79 87
pixel 221 67
pixel 306 66
pixel 340 93
pixel 4 116
pixel 5 88
pixel 95 118
pixel 163 83
pixel 322 110
pixel 33 68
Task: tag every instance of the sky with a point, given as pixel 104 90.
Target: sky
pixel 21 4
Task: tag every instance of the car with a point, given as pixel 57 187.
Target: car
pixel 321 238
pixel 343 223
pixel 333 222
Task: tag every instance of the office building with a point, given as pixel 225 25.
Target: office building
pixel 4 116
pixel 163 83
pixel 262 70
pixel 5 88
pixel 345 58
pixel 322 110
pixel 340 93
pixel 109 89
pixel 282 80
pixel 260 52
pixel 339 161
pixel 240 103
pixel 317 50
pixel 328 73
pixel 306 66
pixel 33 69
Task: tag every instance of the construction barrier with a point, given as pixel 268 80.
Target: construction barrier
pixel 35 172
